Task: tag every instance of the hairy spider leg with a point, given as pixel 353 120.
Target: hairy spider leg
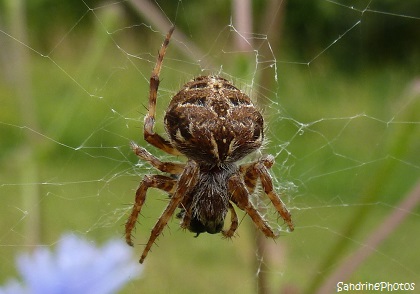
pixel 233 223
pixel 249 176
pixel 167 167
pixel 240 196
pixel 259 170
pixel 164 183
pixel 185 184
pixel 149 121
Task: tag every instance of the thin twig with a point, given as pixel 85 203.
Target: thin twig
pixel 157 18
pixel 242 21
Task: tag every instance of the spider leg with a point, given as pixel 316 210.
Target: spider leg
pixel 167 167
pixel 249 175
pixel 240 196
pixel 149 120
pixel 261 169
pixel 156 181
pixel 185 184
pixel 234 223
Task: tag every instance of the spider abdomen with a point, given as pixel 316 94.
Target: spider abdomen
pixel 212 122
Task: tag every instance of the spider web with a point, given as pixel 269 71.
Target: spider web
pixel 346 145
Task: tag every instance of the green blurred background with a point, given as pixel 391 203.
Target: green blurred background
pixel 338 82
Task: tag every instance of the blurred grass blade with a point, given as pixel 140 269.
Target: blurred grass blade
pixel 20 76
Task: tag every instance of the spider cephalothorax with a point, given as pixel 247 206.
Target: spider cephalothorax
pixel 214 125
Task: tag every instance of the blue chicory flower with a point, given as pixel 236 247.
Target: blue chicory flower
pixel 77 266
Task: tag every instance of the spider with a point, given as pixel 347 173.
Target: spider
pixel 214 125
